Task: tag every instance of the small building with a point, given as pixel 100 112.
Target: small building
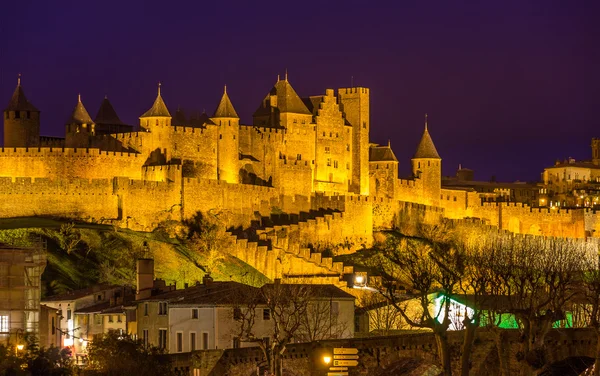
pixel 69 303
pixel 20 280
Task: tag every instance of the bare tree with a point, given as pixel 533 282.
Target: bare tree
pixel 591 295
pixel 430 264
pixel 537 277
pixel 383 317
pixel 287 305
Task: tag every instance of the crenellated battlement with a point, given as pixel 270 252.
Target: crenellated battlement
pixel 63 152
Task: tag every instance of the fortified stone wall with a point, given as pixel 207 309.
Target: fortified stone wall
pixel 64 163
pixel 523 219
pixel 90 200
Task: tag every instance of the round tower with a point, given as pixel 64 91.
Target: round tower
pixel 228 155
pixel 21 121
pixel 157 121
pixel 80 127
pixel 427 169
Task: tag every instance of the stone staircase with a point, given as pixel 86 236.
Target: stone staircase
pixel 275 246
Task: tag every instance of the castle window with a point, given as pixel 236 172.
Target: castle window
pixel 419 164
pixel 234 137
pixel 328 161
pixel 428 163
pixel 337 135
pixel 347 166
pixel 295 121
pixel 454 198
pixel 220 137
pixel 347 147
pixel 327 150
pixel 448 198
pixel 323 134
pixel 330 134
pixel 156 121
pixel 28 114
pixel 335 164
pixel 364 124
pixel 17 114
pixel 299 157
pixel 441 197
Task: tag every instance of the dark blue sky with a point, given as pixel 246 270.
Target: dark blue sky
pixel 509 85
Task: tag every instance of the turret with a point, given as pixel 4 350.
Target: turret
pixel 282 107
pixel 228 123
pixel 21 121
pixel 157 117
pixel 157 121
pixel 107 121
pixel 354 103
pixel 427 168
pixel 80 127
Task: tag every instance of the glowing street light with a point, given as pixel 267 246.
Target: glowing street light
pixel 20 347
pixel 327 359
pixel 360 280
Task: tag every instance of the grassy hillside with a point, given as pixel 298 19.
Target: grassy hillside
pixel 80 255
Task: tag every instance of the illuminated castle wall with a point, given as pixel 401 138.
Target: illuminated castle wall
pixel 299 154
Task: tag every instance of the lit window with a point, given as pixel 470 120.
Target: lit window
pixel 4 324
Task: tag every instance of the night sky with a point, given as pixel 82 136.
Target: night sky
pixel 509 86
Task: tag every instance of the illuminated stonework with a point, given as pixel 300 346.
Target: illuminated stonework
pixel 299 154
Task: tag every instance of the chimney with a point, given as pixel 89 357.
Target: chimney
pixel 207 280
pixel 145 278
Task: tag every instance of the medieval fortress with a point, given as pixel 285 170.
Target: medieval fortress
pixel 299 155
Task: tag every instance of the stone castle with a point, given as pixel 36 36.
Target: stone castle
pixel 299 155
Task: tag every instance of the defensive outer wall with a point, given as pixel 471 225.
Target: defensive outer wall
pixel 376 354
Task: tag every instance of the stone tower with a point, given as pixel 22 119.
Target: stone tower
pixel 21 121
pixel 107 121
pixel 228 155
pixel 354 102
pixel 80 127
pixel 427 168
pixel 157 121
pixel 595 151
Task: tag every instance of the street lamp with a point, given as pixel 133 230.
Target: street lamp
pixel 20 347
pixel 327 359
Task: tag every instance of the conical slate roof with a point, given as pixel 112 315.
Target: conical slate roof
pixel 159 108
pixel 179 118
pixel 287 100
pixel 382 154
pixel 19 101
pixel 225 108
pixel 426 148
pixel 80 114
pixel 107 114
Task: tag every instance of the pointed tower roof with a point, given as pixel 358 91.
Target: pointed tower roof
pixel 107 114
pixel 225 108
pixel 159 108
pixel 287 100
pixel 18 101
pixel 426 148
pixel 179 118
pixel 80 114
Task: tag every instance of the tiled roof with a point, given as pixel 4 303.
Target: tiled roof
pixel 19 102
pixel 381 154
pixel 76 294
pixel 287 100
pixel 107 114
pixel 214 293
pixel 158 109
pixel 426 148
pixel 80 114
pixel 225 108
pixel 179 118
